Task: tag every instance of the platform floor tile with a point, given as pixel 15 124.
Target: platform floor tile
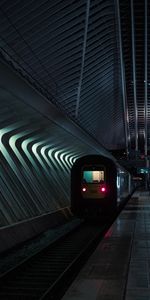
pixel 119 269
pixel 86 289
pixel 138 294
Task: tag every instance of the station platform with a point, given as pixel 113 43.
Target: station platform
pixel 119 268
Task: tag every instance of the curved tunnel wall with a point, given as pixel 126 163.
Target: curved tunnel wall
pixel 36 154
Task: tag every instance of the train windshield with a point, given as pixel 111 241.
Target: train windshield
pixel 96 176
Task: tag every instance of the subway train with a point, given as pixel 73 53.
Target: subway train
pixel 98 186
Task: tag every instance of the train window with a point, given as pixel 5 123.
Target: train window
pixel 96 176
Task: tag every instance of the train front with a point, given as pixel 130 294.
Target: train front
pixel 93 188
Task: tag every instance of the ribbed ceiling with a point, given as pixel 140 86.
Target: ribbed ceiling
pixel 135 43
pixel 71 52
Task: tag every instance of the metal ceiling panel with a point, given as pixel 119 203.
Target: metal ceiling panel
pixel 69 50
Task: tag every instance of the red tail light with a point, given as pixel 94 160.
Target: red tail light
pixel 103 189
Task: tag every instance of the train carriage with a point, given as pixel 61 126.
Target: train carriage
pixel 98 185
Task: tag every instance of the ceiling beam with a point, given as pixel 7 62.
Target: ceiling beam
pixel 145 81
pixel 123 81
pixel 134 76
pixel 83 58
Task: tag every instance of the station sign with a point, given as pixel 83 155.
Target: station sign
pixel 143 170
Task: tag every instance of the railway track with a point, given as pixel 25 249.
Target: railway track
pixel 40 276
pixel 47 274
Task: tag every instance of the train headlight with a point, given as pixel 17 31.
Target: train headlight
pixel 84 189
